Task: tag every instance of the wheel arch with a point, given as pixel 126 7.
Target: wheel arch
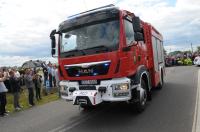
pixel 162 73
pixel 142 73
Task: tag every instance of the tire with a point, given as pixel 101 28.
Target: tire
pixel 141 104
pixel 161 83
pixel 149 95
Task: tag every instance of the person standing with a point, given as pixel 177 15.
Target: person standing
pixel 57 80
pixel 57 76
pixel 18 77
pixel 15 89
pixel 16 73
pixel 6 82
pixel 3 91
pixel 45 73
pixel 49 68
pixel 53 76
pixel 30 85
pixel 38 82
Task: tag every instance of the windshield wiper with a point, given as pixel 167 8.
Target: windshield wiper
pixel 101 47
pixel 71 53
pixel 78 50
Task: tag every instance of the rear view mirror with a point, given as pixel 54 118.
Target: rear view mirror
pixel 139 36
pixel 53 32
pixel 53 42
pixel 136 24
pixel 53 52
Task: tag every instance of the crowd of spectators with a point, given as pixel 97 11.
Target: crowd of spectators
pixel 180 59
pixel 35 80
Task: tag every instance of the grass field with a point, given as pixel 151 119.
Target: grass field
pixel 24 100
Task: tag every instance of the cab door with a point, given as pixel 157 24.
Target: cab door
pixel 131 45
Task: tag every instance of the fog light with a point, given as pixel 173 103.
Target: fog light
pixel 120 94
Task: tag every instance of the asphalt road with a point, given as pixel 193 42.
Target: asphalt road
pixel 171 110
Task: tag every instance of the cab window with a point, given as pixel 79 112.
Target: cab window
pixel 129 32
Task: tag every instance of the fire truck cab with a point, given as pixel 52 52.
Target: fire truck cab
pixel 108 54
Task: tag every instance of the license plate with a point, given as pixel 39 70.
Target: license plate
pixel 88 82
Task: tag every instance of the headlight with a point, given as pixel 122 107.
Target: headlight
pixel 120 90
pixel 123 86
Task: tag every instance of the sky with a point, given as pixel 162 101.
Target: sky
pixel 25 25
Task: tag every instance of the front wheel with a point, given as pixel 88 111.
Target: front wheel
pixel 141 104
pixel 160 85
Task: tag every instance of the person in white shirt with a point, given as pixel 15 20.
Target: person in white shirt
pixel 17 74
pixel 3 91
pixel 6 82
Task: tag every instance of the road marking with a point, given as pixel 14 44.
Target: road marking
pixel 67 127
pixel 64 128
pixel 196 121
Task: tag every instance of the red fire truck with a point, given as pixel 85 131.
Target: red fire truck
pixel 108 54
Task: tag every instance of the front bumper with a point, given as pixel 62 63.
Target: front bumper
pixel 95 96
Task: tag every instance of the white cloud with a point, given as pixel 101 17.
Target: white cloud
pixel 12 60
pixel 19 60
pixel 172 47
pixel 25 24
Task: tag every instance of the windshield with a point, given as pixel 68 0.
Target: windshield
pixel 99 36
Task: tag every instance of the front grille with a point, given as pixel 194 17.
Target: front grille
pixel 87 87
pixel 93 70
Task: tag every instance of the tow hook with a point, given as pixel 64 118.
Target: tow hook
pixel 102 90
